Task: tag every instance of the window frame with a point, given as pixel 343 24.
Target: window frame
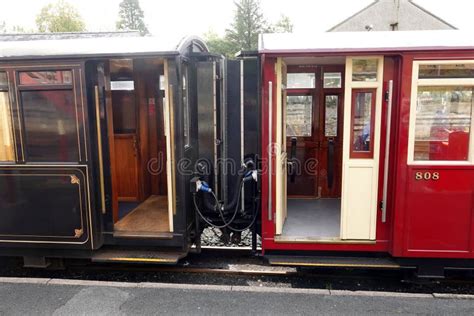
pixel 353 154
pixel 416 82
pixel 313 92
pixel 7 88
pixel 301 93
pixel 76 88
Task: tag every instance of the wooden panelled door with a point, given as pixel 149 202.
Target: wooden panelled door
pixel 125 129
pixel 314 124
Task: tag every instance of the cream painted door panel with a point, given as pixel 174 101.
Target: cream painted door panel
pixel 361 148
pixel 279 148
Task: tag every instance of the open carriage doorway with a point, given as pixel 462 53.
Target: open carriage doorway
pixel 137 125
pixel 327 140
pixel 312 119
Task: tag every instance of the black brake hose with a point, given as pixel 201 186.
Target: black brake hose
pixel 209 222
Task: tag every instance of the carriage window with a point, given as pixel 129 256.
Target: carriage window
pixel 330 115
pixel 45 77
pixel 301 80
pixel 442 112
pixel 6 140
pixel 50 125
pixel 364 69
pixel 430 71
pixel 443 123
pixel 362 123
pixel 332 80
pixel 299 115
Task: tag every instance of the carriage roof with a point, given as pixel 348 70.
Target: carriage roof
pixel 99 47
pixel 366 41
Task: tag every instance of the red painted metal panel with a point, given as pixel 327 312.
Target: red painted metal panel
pixel 439 212
pixel 432 218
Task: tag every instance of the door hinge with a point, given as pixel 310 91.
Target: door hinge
pixel 381 205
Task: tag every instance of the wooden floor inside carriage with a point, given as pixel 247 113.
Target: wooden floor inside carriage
pixel 147 219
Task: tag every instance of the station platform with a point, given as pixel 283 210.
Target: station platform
pixel 71 297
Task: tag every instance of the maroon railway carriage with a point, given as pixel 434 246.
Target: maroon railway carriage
pixel 364 141
pixel 371 146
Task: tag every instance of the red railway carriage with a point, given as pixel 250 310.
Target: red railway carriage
pixel 368 137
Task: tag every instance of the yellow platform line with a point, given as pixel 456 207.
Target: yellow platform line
pixel 341 265
pixel 140 259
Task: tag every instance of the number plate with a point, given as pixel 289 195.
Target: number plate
pixel 427 176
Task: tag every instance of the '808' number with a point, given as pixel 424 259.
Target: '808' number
pixel 427 175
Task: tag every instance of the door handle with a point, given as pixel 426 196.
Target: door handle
pixel 135 146
pixel 331 162
pixel 291 161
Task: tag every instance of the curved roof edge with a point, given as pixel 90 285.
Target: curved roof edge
pixel 192 42
pixel 99 47
pixel 365 41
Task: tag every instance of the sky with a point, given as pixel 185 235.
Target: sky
pixel 175 18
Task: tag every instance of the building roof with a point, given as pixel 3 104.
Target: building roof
pixel 108 46
pixel 366 41
pixel 392 15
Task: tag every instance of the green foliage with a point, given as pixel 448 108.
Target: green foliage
pixel 59 17
pixel 283 25
pixel 248 23
pixel 219 45
pixel 131 17
pixel 243 33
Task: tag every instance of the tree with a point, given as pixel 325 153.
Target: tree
pixel 248 23
pixel 59 17
pixel 218 44
pixel 283 25
pixel 131 17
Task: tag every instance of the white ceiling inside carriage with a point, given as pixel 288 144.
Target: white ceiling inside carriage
pixel 366 41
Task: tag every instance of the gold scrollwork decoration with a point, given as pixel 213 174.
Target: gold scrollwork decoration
pixel 75 180
pixel 78 233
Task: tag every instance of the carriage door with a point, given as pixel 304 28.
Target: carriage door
pixel 302 132
pixel 361 148
pixel 279 148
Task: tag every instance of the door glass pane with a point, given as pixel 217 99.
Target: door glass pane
pixel 45 77
pixel 6 141
pixel 443 123
pixel 3 79
pixel 124 112
pixel 364 70
pixel 299 115
pixel 332 80
pixel 301 80
pixel 446 71
pixel 362 117
pixel 330 119
pixel 50 125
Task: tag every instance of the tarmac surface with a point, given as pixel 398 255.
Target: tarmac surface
pixel 36 296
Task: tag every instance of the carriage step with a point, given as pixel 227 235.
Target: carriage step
pixel 333 262
pixel 138 256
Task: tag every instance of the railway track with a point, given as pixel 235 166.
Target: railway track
pixel 238 267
